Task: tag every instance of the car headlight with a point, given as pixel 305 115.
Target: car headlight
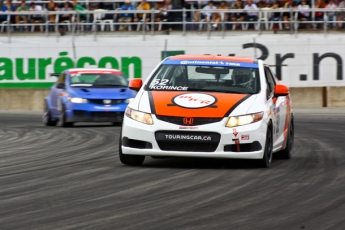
pixel 129 100
pixel 78 100
pixel 142 117
pixel 244 119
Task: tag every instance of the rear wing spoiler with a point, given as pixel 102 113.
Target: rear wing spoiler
pixel 55 74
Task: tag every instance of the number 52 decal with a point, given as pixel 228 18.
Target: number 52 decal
pixel 160 82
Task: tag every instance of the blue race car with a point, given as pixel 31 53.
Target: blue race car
pixel 87 95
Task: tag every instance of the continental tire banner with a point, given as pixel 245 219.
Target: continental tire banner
pixel 304 61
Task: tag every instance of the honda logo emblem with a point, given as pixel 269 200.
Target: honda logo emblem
pixel 188 120
pixel 107 101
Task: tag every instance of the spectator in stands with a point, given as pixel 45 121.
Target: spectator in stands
pixel 126 17
pixel 238 16
pixel 24 18
pixel 221 15
pixel 165 15
pixel 341 15
pixel 144 5
pixel 8 7
pixel 304 15
pixel 65 17
pixel 251 16
pixel 78 7
pixel 276 16
pixel 287 15
pixel 206 15
pixel 331 15
pixel 52 7
pixel 318 14
pixel 37 18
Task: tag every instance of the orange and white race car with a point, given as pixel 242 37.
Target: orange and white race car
pixel 208 106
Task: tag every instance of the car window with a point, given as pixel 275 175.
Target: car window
pixel 62 78
pixel 270 81
pixel 205 78
pixel 98 80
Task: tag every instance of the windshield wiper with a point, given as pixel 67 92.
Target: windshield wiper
pixel 110 85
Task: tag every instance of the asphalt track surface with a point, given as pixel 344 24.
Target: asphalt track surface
pixel 71 178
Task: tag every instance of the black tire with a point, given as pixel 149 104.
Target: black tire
pixel 62 120
pixel 130 159
pixel 266 160
pixel 46 118
pixel 286 153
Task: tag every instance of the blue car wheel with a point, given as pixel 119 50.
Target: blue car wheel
pixel 47 119
pixel 62 120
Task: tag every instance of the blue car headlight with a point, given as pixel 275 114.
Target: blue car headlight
pixel 78 100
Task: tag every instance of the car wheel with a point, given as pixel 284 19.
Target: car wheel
pixel 286 153
pixel 266 160
pixel 47 118
pixel 62 120
pixel 130 159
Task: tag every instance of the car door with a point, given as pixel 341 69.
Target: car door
pixel 57 89
pixel 280 112
pixel 270 102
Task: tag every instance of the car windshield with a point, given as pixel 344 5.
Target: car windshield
pixel 210 78
pixel 98 80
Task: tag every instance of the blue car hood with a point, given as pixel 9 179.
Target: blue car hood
pixel 104 93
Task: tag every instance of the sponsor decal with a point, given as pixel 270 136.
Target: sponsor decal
pixel 33 71
pixel 234 132
pixel 194 100
pixel 188 127
pixel 245 137
pixel 210 63
pixel 187 137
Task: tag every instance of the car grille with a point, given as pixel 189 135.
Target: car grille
pixel 118 115
pixel 106 101
pixel 80 113
pixel 187 147
pixel 248 147
pixel 179 120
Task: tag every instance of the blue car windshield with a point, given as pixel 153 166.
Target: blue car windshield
pixel 193 77
pixel 98 80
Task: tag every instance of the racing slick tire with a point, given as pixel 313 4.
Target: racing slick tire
pixel 266 160
pixel 47 119
pixel 286 153
pixel 62 120
pixel 133 160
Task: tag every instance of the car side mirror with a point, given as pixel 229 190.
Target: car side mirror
pixel 281 90
pixel 135 84
pixel 61 85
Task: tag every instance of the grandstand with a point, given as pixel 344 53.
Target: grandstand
pixel 153 16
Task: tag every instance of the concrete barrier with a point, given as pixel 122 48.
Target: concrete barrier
pixel 311 97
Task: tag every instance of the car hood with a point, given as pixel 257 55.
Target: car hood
pixel 103 93
pixel 191 104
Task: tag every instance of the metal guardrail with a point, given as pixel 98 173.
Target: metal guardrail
pixel 93 21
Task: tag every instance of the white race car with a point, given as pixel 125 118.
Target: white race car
pixel 208 106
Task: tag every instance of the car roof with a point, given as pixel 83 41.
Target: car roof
pixel 93 70
pixel 214 58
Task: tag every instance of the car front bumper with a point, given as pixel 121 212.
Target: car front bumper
pixel 95 113
pixel 242 142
